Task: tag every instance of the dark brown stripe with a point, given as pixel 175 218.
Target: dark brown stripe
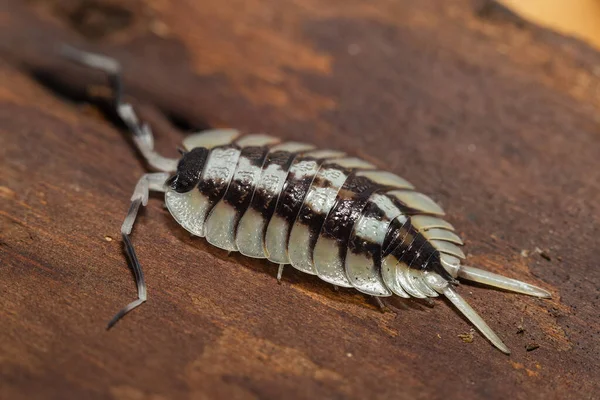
pixel 240 191
pixel 314 220
pixel 413 249
pixel 405 246
pixel 358 245
pixel 350 202
pixel 214 189
pixel 395 235
pixel 419 253
pixel 264 201
pixel 295 189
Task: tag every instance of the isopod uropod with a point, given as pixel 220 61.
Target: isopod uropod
pixel 323 212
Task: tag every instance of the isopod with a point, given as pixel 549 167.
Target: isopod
pixel 322 211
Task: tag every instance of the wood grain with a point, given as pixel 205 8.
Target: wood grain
pixel 497 119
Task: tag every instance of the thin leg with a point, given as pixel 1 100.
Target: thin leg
pixel 428 302
pixel 142 135
pixel 491 279
pixel 382 306
pixel 154 182
pixel 280 273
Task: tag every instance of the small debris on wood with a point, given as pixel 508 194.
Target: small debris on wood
pixel 532 347
pixel 467 337
pixel 108 238
pixel 543 254
pixel 525 253
pixel 555 312
pixel 520 330
pixel 160 29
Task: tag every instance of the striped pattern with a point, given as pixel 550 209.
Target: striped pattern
pixel 323 212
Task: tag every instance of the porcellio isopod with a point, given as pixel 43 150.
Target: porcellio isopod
pixel 324 212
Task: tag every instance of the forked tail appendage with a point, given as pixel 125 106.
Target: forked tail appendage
pixel 487 278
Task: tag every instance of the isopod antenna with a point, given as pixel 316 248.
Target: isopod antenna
pixel 144 141
pixel 142 135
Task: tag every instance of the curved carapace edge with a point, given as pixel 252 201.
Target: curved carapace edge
pixel 325 213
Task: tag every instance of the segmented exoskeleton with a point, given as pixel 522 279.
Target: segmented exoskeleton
pixel 322 211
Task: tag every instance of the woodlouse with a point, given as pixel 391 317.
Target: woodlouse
pixel 323 212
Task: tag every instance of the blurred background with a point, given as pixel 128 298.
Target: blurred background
pixel 578 18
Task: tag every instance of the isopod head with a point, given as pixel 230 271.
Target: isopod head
pixel 189 170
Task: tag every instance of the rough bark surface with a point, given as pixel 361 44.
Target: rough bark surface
pixel 496 119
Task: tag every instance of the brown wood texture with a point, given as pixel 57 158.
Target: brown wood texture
pixel 497 119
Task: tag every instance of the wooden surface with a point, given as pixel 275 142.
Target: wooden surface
pixel 495 118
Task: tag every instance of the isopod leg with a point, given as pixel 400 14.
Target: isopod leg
pixel 154 182
pixel 280 273
pixel 380 304
pixel 142 135
pixel 499 281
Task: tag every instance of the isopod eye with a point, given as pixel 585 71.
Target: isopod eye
pixel 189 170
